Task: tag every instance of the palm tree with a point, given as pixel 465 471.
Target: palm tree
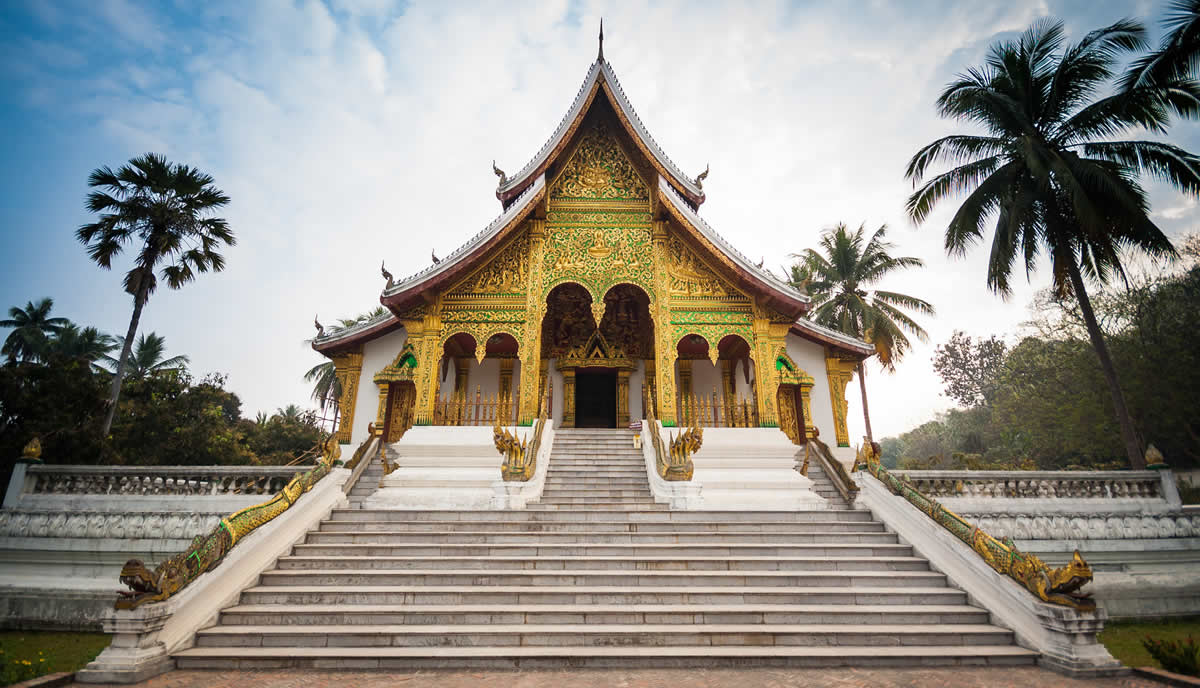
pixel 146 359
pixel 31 325
pixel 836 277
pixel 289 414
pixel 1056 168
pixel 1174 63
pixel 82 344
pixel 166 208
pixel 327 389
pixel 362 317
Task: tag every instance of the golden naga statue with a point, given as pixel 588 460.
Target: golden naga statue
pixel 515 466
pixel 1057 586
pixel 207 551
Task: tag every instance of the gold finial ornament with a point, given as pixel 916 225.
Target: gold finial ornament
pixel 600 55
pixel 32 451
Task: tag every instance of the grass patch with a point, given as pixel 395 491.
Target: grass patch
pixel 1124 639
pixel 61 651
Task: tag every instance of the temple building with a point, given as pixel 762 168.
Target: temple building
pixel 597 290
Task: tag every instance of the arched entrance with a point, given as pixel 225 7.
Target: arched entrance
pixel 716 391
pixel 477 381
pixel 598 361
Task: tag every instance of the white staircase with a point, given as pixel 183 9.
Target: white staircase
pixel 596 574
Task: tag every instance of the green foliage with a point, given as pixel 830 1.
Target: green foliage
pixel 32 326
pixel 1050 408
pixel 1179 656
pixel 1188 493
pixel 148 357
pixel 837 275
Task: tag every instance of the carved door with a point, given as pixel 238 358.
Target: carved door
pixel 401 399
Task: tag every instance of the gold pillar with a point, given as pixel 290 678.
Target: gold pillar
pixel 622 398
pixel 347 368
pixel 665 351
pixel 462 372
pixel 532 367
pixel 506 374
pixel 649 381
pixel 840 373
pixel 728 387
pixel 568 398
pixel 810 430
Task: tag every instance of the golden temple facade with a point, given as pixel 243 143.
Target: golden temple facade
pixel 598 290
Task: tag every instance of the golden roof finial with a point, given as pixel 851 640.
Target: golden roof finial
pixel 600 55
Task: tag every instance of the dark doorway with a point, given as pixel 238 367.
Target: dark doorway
pixel 595 398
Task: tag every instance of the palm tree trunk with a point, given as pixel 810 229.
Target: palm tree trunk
pixel 862 385
pixel 139 300
pixel 1133 446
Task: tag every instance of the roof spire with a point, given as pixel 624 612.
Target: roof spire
pixel 600 55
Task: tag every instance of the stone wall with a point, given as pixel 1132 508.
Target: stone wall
pixel 65 531
pixel 1143 545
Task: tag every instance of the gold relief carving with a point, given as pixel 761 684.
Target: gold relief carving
pixel 587 217
pixel 530 349
pixel 690 276
pixel 840 372
pixel 568 398
pixel 623 398
pixel 598 258
pixel 481 315
pixel 785 399
pixel 599 169
pixel 507 273
pixel 401 418
pixel 347 369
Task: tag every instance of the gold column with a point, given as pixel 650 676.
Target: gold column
pixel 728 388
pixel 425 336
pixel 649 381
pixel 568 398
pixel 347 368
pixel 622 398
pixel 533 369
pixel 505 396
pixel 462 372
pixel 840 373
pixel 665 352
pixel 810 430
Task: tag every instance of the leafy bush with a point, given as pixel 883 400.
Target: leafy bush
pixel 1179 656
pixel 1188 493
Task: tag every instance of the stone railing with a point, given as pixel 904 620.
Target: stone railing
pixel 1038 484
pixel 151 525
pixel 157 480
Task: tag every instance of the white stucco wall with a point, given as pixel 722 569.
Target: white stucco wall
pixel 377 354
pixel 810 356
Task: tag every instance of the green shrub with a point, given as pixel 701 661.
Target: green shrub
pixel 1179 656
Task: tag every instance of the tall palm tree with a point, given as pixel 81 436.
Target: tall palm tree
pixel 1056 168
pixel 362 317
pixel 32 326
pixel 1175 62
pixel 166 209
pixel 837 276
pixel 148 358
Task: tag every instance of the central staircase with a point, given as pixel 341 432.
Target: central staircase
pixel 597 574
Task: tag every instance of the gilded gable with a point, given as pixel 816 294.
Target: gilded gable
pixel 505 274
pixel 599 170
pixel 689 277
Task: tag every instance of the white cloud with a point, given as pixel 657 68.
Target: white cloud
pixel 356 132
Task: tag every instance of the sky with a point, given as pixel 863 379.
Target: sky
pixel 348 133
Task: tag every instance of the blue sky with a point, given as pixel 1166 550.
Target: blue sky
pixel 350 132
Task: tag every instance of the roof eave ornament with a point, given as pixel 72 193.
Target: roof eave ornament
pixel 699 180
pixel 600 54
pixel 499 173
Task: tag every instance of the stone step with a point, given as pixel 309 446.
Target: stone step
pixel 388 538
pixel 385 614
pixel 598 577
pixel 405 515
pixel 625 550
pixel 603 595
pixel 644 563
pixel 598 484
pixel 583 492
pixel 593 526
pixel 601 635
pixel 627 502
pixel 537 506
pixel 413 658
